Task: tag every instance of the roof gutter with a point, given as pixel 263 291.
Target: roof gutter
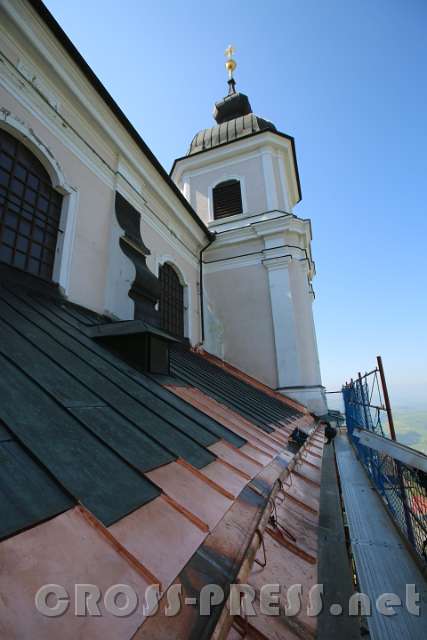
pixel 225 557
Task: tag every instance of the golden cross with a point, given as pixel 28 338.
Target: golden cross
pixel 229 51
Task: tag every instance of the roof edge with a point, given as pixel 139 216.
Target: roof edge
pixel 49 20
pixel 250 135
pixel 238 373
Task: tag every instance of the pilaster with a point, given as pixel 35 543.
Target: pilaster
pixel 283 312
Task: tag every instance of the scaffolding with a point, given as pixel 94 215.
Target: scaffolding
pixel 402 486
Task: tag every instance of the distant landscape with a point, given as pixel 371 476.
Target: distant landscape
pixel 411 427
pixel 410 422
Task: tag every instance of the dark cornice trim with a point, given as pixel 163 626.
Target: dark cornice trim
pixel 250 135
pixel 43 12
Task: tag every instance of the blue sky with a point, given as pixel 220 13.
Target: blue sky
pixel 347 80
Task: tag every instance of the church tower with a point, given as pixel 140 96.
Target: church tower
pixel 241 177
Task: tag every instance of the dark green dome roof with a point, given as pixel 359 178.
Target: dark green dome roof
pixel 235 120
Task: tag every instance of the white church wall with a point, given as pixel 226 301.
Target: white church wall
pixel 267 264
pixel 90 239
pixel 265 161
pixel 238 321
pixel 248 171
pixel 307 349
pixel 280 185
pixel 42 89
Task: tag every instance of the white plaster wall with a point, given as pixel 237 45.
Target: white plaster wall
pixel 264 271
pixel 307 344
pixel 280 185
pixel 239 315
pixel 78 133
pixel 92 217
pixel 249 171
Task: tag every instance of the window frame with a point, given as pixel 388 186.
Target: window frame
pixel 70 201
pixel 226 178
pixel 183 290
pixel 32 207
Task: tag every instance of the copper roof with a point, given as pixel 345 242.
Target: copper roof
pixel 109 475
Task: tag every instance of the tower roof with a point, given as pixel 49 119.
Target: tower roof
pixel 233 115
pixel 239 127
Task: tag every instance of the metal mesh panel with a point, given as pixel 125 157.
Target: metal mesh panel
pixel 403 488
pixel 171 301
pixel 30 210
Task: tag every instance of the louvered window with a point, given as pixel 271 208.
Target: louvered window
pixel 30 210
pixel 227 199
pixel 171 305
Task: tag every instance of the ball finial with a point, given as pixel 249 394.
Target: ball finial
pixel 230 64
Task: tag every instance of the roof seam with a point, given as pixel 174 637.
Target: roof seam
pixel 115 384
pixel 81 339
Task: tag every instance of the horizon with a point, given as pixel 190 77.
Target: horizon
pixel 346 82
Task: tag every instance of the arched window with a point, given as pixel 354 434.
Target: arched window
pixel 171 305
pixel 227 199
pixel 30 210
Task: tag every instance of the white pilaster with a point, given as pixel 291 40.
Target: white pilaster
pixel 282 174
pixel 270 183
pixel 283 312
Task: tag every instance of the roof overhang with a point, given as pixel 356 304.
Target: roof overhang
pixel 281 141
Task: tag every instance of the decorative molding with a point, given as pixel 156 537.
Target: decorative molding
pixel 93 105
pixel 284 321
pixel 108 177
pixel 302 387
pixel 46 45
pixel 278 263
pixel 228 153
pixel 313 397
pixel 30 73
pixel 145 289
pixel 219 164
pixel 283 182
pixel 231 263
pixel 245 220
pixel 269 179
pixel 264 256
pixel 65 242
pixel 11 84
pixel 271 231
pixel 25 134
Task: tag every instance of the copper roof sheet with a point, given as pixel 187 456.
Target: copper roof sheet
pixel 174 480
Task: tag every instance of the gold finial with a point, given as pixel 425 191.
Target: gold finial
pixel 230 64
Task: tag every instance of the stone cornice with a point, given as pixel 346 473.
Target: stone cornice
pixel 94 109
pixel 264 141
pixel 264 226
pixel 277 263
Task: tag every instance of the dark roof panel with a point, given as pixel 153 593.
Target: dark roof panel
pixel 89 421
pixel 87 468
pixel 28 494
pixel 55 320
pixel 66 374
pixel 229 131
pixel 264 411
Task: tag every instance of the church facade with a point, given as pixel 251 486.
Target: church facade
pixel 212 252
pixel 159 378
pixel 241 177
